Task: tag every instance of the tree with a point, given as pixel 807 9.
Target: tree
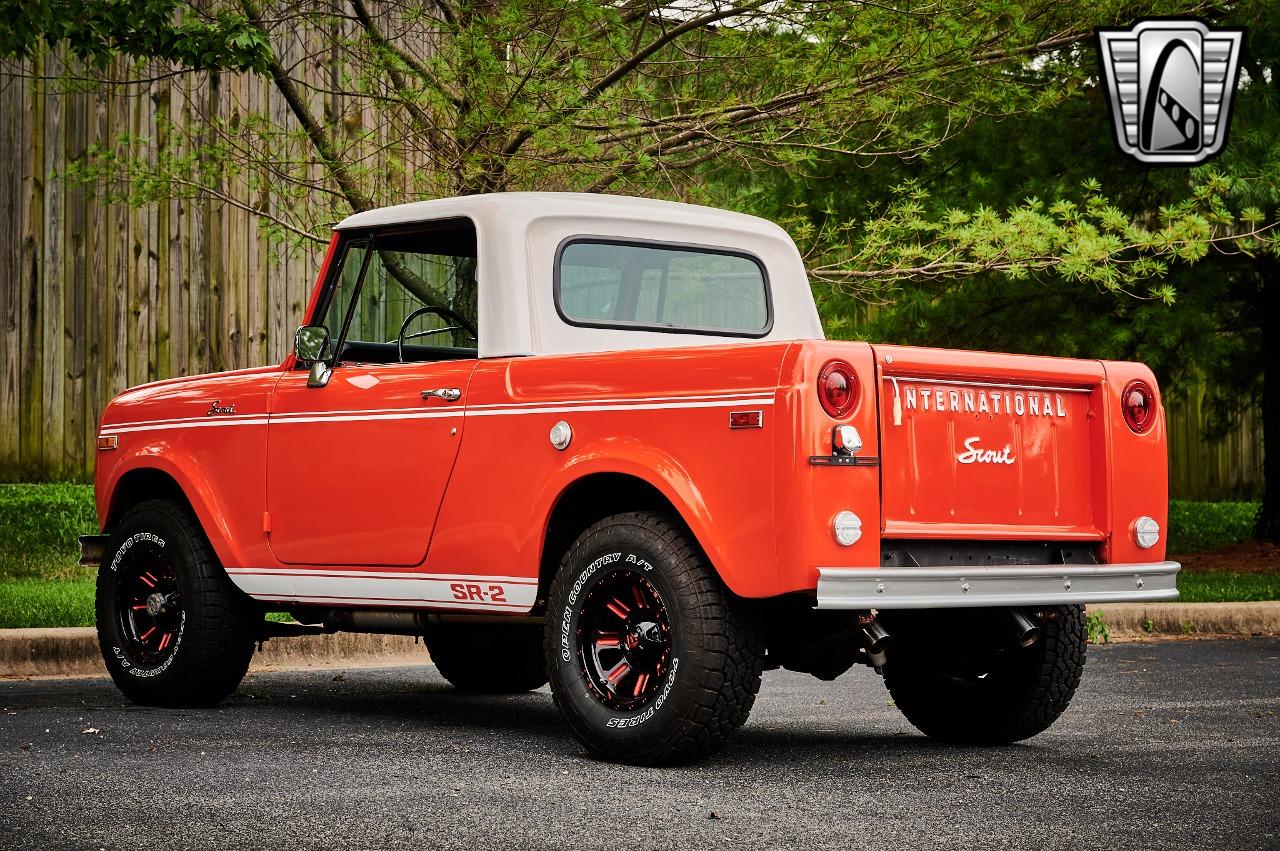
pixel 482 95
pixel 1102 258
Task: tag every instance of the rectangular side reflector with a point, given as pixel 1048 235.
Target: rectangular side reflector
pixel 746 419
pixel 107 441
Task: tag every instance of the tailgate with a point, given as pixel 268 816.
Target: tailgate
pixel 991 446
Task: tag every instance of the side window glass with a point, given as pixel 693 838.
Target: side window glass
pixel 406 295
pixel 619 285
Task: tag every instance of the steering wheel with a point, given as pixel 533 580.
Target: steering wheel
pixel 460 321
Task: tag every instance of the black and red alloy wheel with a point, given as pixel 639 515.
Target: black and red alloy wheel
pixel 624 640
pixel 148 605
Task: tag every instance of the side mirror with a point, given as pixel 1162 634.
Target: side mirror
pixel 310 343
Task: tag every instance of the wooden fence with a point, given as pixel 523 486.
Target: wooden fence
pixel 95 298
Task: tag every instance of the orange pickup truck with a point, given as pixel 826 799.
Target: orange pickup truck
pixel 601 442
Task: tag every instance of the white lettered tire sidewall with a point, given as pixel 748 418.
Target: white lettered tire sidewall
pixel 632 730
pixel 114 641
pixel 217 625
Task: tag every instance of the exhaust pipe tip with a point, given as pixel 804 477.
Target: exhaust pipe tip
pixel 1023 630
pixel 875 638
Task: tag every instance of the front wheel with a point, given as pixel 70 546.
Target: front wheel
pixel 957 677
pixel 649 658
pixel 173 629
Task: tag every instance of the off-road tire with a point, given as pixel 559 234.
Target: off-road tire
pixel 216 624
pixel 488 658
pixel 714 658
pixel 1024 692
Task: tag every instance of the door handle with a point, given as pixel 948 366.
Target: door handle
pixel 449 394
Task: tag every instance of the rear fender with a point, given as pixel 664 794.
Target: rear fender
pixel 666 474
pixel 1139 469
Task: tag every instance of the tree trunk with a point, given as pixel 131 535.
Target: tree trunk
pixel 1268 523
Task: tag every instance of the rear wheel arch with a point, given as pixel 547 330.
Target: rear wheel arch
pixel 592 498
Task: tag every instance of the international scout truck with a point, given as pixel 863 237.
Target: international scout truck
pixel 601 441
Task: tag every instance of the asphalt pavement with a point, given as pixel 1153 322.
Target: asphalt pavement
pixel 1167 745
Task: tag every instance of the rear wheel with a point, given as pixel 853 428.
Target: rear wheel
pixel 173 629
pixel 650 661
pixel 488 658
pixel 957 676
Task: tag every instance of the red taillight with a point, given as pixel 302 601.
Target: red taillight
pixel 837 388
pixel 1138 404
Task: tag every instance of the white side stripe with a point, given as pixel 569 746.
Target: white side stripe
pixel 414 414
pixel 191 423
pixel 406 573
pixel 727 403
pixel 500 593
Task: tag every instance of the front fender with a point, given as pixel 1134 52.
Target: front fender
pixel 230 520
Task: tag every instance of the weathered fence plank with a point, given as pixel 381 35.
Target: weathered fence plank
pixel 12 138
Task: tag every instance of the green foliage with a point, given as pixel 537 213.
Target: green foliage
pixel 1224 586
pixel 1096 628
pixel 646 97
pixel 1196 526
pixel 170 30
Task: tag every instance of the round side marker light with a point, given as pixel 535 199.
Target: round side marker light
pixel 1146 532
pixel 561 434
pixel 847 528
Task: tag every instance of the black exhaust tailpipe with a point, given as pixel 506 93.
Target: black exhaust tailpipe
pixel 1023 630
pixel 875 638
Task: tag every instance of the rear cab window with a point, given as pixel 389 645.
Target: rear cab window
pixel 608 283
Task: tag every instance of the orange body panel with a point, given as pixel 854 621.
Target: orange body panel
pixel 662 417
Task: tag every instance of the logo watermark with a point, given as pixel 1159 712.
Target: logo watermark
pixel 1170 84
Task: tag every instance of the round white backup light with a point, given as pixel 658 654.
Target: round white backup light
pixel 847 528
pixel 1146 531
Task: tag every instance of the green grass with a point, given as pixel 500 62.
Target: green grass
pixel 39 525
pixel 41 584
pixel 1196 526
pixel 44 602
pixel 1224 586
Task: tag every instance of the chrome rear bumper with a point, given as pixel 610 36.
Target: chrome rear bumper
pixel 1024 585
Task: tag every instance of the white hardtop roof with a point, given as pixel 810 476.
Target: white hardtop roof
pixel 530 206
pixel 518 235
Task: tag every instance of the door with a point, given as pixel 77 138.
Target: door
pixel 357 468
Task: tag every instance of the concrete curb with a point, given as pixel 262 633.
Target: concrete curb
pixel 73 651
pixel 1164 620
